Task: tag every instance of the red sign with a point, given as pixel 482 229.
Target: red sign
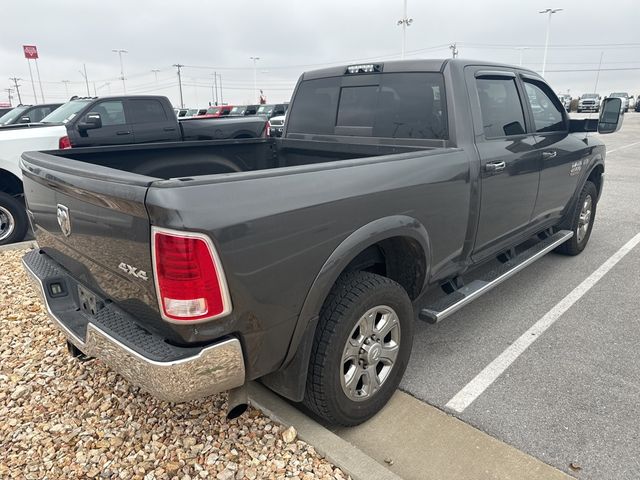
pixel 30 52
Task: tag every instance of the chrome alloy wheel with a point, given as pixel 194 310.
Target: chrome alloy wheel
pixel 370 353
pixel 585 218
pixel 7 223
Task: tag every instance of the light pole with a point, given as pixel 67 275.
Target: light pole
pixel 521 49
pixel 120 51
pixel 15 81
pixel 255 75
pixel 66 87
pixel 179 66
pixel 549 12
pixel 155 72
pixel 404 22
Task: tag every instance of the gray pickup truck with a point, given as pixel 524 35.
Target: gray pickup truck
pixel 303 261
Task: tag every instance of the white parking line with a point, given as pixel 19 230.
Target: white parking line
pixel 491 372
pixel 623 147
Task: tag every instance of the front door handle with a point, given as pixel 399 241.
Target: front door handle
pixel 123 132
pixel 495 166
pixel 549 155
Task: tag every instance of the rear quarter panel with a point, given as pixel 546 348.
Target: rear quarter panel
pixel 275 231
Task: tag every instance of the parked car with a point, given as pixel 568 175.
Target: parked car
pixel 200 112
pixel 624 96
pixel 637 107
pixel 216 111
pixel 4 110
pixel 303 260
pixel 28 113
pixel 191 112
pixel 237 110
pixel 272 110
pixel 251 109
pixel 181 112
pixel 589 102
pixel 565 98
pixel 89 122
pixel 277 125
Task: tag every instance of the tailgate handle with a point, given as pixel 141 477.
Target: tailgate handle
pixel 123 132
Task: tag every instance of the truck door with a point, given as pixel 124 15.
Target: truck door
pixel 509 166
pixel 115 129
pixel 560 154
pixel 152 122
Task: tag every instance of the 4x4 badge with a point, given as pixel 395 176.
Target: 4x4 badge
pixel 64 219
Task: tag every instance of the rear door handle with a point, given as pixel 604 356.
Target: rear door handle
pixel 549 155
pixel 123 132
pixel 495 166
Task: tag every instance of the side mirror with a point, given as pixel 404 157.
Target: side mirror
pixel 610 116
pixel 25 119
pixel 91 121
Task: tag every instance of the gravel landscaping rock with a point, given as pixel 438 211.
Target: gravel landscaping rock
pixel 62 419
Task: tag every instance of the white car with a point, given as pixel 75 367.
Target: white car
pixel 277 125
pixel 50 134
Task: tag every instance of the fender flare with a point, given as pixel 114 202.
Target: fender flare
pixel 598 161
pixel 289 380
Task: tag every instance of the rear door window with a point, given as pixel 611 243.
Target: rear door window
pixel 500 106
pixel 147 111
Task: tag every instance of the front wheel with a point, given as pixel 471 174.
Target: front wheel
pixel 13 219
pixel 581 222
pixel 361 348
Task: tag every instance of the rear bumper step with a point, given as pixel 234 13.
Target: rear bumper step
pixel 168 372
pixel 458 299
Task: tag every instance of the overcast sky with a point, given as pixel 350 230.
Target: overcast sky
pixel 291 36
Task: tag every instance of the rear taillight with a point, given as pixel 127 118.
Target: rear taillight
pixel 64 143
pixel 189 280
pixel 267 129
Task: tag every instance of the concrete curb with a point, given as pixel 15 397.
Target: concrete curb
pixel 18 246
pixel 350 459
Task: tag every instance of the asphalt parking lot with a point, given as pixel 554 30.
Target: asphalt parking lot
pixel 572 398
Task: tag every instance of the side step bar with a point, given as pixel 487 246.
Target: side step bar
pixel 458 299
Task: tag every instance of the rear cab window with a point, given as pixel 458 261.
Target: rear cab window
pixel 388 105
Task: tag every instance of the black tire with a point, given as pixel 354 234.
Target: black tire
pixel 13 217
pixel 578 242
pixel 353 295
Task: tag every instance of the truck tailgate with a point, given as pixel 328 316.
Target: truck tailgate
pixel 92 221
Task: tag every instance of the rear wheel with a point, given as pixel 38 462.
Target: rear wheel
pixel 13 219
pixel 581 222
pixel 361 348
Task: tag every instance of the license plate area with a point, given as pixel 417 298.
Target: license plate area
pixel 89 303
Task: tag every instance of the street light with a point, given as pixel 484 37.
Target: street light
pixel 522 49
pixel 66 86
pixel 549 12
pixel 255 75
pixel 120 52
pixel 155 72
pixel 405 22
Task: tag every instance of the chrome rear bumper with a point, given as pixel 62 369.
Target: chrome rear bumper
pixel 191 374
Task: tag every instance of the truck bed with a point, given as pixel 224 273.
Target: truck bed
pixel 193 159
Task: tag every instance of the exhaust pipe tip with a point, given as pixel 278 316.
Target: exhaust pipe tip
pixel 237 402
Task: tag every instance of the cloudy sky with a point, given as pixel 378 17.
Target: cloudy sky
pixel 291 36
